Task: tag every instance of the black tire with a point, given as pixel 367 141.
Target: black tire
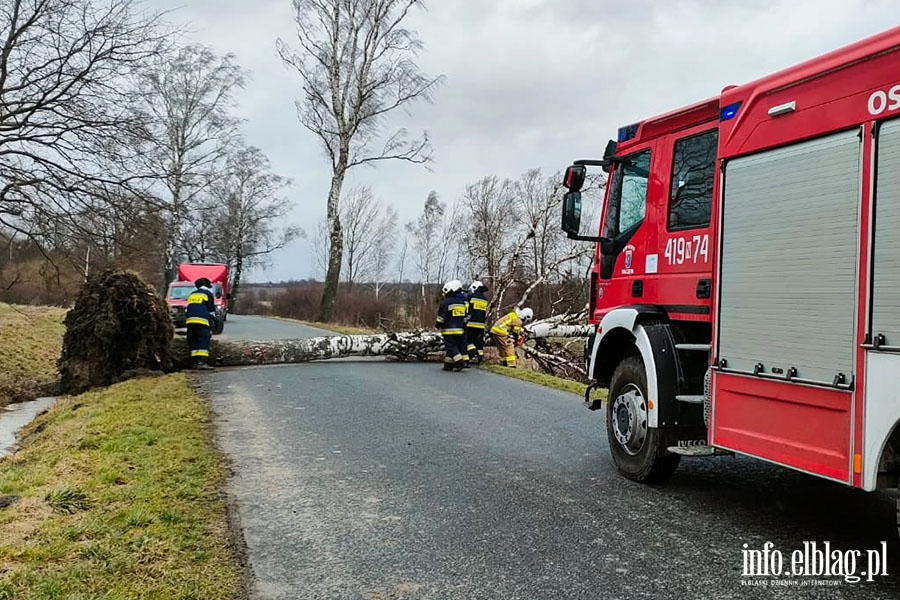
pixel 650 463
pixel 218 327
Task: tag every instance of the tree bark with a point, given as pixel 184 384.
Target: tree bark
pixel 236 281
pixel 233 353
pixel 336 241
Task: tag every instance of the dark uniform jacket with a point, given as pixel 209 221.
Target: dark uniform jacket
pixel 477 306
pixel 200 305
pixel 451 317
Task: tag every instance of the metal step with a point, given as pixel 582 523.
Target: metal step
pixel 691 399
pixel 698 450
pixel 694 347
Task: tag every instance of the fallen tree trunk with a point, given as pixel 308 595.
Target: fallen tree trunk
pixel 401 346
pixel 233 353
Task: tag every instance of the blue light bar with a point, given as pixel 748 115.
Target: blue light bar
pixel 628 132
pixel 729 111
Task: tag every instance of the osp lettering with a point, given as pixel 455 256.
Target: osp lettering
pixel 880 101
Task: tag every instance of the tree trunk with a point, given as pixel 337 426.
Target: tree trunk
pixel 402 346
pixel 336 242
pixel 236 282
pixel 232 353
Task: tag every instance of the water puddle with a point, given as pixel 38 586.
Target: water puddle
pixel 16 416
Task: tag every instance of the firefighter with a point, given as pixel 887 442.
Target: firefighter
pixel 507 332
pixel 199 313
pixel 477 309
pixel 451 320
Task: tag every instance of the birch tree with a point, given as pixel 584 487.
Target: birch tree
pixel 370 236
pixel 252 208
pixel 186 107
pixel 355 59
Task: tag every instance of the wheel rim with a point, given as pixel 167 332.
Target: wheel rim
pixel 629 419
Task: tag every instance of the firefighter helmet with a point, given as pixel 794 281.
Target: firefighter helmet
pixel 476 286
pixel 526 314
pixel 451 287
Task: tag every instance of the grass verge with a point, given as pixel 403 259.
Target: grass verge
pixel 30 343
pixel 116 495
pixel 550 381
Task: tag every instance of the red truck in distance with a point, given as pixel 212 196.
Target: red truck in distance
pixel 746 287
pixel 180 289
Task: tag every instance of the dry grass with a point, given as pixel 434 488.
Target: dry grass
pixel 557 383
pixel 118 497
pixel 30 343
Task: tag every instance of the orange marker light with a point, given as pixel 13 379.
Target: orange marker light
pixel 857 463
pixel 650 404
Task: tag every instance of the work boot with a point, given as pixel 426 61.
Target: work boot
pixel 202 366
pixel 459 366
pixel 447 367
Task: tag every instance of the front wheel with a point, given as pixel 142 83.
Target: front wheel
pixel 637 449
pixel 218 327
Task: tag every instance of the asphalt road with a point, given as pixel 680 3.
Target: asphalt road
pixel 242 327
pixel 378 480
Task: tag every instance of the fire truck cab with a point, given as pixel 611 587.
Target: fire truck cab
pixel 746 284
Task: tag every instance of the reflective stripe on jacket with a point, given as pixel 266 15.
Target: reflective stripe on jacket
pixel 507 322
pixel 200 305
pixel 478 306
pixel 451 317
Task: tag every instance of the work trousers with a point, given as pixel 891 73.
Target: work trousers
pixel 475 343
pixel 505 348
pixel 455 346
pixel 198 338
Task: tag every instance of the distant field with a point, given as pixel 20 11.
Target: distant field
pixel 30 343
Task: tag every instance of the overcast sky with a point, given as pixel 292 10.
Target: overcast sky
pixel 530 83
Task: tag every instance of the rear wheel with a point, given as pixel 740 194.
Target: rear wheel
pixel 637 449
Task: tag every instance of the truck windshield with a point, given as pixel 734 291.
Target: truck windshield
pixel 180 292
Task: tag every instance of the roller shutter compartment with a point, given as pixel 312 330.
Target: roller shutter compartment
pixel 789 256
pixel 886 266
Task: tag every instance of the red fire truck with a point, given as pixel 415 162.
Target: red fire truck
pixel 746 285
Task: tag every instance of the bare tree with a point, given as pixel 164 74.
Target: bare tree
pixel 248 228
pixel 356 63
pixel 494 230
pixel 401 256
pixel 64 98
pixel 370 234
pixel 549 250
pixel 186 104
pixel 428 247
pixel 427 243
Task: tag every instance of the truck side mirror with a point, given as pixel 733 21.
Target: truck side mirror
pixel 609 155
pixel 571 215
pixel 574 178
